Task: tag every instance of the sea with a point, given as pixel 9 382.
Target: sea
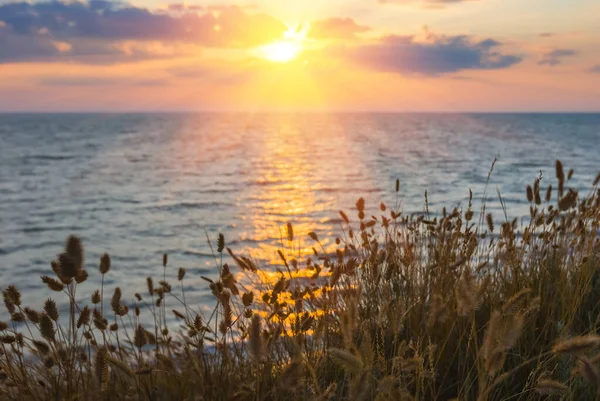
pixel 139 186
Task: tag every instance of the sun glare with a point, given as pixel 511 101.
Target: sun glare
pixel 281 52
pixel 288 48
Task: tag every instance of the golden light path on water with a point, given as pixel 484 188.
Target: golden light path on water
pixel 287 181
pixel 271 160
pixel 290 190
pixel 285 161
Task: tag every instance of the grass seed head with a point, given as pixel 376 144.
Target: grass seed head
pixel 51 309
pixel 577 345
pixel 550 387
pixel 47 328
pixel 104 266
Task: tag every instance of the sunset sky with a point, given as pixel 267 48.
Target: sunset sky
pixel 334 55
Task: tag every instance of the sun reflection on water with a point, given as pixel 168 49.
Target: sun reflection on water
pixel 272 177
pixel 297 302
pixel 285 194
pixel 286 199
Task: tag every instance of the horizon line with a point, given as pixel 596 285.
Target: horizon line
pixel 455 112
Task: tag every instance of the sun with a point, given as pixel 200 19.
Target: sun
pixel 288 48
pixel 282 51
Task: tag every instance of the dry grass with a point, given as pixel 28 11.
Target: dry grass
pixel 406 308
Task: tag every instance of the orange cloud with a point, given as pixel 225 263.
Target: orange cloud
pixel 337 28
pixel 424 3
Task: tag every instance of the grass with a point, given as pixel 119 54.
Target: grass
pixel 407 307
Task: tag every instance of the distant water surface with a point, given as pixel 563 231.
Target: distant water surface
pixel 138 186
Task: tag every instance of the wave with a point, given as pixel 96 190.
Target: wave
pixel 41 229
pixel 190 205
pixel 34 245
pixel 50 157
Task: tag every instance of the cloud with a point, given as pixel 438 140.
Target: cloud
pixel 554 57
pixel 30 29
pixel 224 75
pixel 424 3
pixel 439 55
pixel 89 81
pixel 184 7
pixel 336 28
pixel 220 7
pixel 595 69
pixel 17 48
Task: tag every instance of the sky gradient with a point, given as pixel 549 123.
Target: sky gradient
pixel 271 55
